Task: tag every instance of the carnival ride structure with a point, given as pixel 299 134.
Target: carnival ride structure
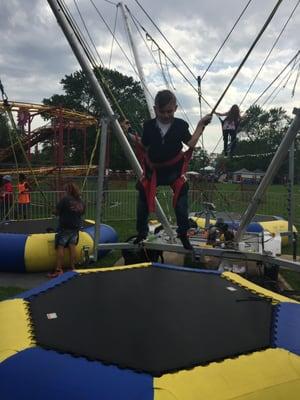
pixel 63 123
pixel 153 331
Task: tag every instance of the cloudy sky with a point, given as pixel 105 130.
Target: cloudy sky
pixel 34 54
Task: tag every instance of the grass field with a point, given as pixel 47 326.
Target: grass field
pixel 6 292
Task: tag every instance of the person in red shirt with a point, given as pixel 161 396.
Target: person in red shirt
pixel 7 193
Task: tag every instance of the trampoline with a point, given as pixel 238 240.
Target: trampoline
pixel 149 331
pixel 28 245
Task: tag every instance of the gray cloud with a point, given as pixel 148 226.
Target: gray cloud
pixel 35 55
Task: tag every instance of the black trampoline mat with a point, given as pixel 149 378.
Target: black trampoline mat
pixel 154 320
pixel 31 226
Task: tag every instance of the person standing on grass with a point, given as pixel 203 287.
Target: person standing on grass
pixel 164 163
pixel 69 210
pixel 23 196
pixel 7 190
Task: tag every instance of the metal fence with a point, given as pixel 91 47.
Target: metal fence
pixel 120 205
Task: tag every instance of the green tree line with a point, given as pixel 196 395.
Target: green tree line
pixel 260 131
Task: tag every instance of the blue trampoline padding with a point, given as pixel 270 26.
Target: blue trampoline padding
pixel 12 248
pixel 45 286
pixel 287 327
pixel 254 227
pixel 205 271
pixel 36 374
pixel 107 235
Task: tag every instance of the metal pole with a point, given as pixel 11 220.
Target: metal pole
pixel 100 180
pixel 85 65
pixel 137 61
pixel 291 208
pixel 269 175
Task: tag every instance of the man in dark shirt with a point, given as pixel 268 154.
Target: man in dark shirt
pixel 165 163
pixel 69 210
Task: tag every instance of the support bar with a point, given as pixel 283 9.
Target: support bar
pixel 86 67
pixel 269 175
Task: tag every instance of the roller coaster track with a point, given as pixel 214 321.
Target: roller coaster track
pixel 71 170
pixel 70 118
pixel 37 136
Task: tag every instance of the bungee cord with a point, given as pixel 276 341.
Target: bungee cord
pixel 225 40
pixel 269 53
pixel 248 53
pixel 113 38
pixel 275 79
pixel 275 92
pixel 88 33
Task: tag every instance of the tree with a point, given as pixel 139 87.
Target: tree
pixel 126 97
pixel 6 136
pixel 200 160
pixel 4 132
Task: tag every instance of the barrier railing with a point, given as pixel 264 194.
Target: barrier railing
pixel 120 205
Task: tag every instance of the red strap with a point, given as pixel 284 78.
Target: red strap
pixel 180 181
pixel 151 185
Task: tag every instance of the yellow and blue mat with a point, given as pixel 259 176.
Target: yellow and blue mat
pixel 149 331
pixel 29 245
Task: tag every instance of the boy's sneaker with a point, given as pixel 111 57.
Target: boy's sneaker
pixel 185 241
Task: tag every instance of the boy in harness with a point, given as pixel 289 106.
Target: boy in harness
pixel 164 163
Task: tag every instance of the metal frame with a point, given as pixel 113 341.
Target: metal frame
pixel 102 100
pixel 206 251
pixel 275 163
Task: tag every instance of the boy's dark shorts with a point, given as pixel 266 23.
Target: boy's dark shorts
pixel 66 237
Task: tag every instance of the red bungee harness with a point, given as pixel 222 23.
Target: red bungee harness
pixel 151 185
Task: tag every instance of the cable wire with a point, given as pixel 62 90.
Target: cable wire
pixel 225 40
pixel 275 79
pixel 116 40
pixel 150 38
pixel 296 81
pixel 269 53
pixel 248 52
pixel 272 96
pixel 113 38
pixel 172 47
pixel 88 33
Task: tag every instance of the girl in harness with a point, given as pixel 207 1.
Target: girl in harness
pixel 229 126
pixel 164 163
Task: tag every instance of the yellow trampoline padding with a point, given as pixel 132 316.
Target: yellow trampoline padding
pixel 272 374
pixel 278 226
pixel 257 289
pixel 15 329
pixel 40 251
pixel 201 221
pixel 104 269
